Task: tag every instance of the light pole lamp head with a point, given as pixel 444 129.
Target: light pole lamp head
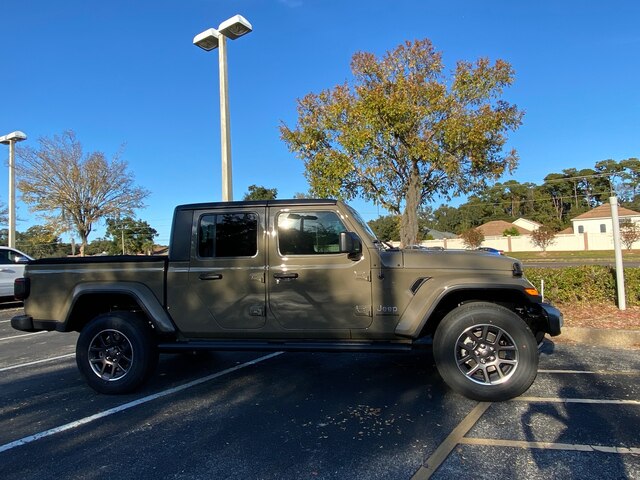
pixel 16 136
pixel 207 40
pixel 235 27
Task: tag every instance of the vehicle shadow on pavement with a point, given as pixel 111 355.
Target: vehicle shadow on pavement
pixel 321 415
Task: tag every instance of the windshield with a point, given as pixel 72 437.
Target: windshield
pixel 356 216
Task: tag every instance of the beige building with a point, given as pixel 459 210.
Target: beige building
pixel 593 230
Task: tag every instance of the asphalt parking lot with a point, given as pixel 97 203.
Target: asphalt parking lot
pixel 312 415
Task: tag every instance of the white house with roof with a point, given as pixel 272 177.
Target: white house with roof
pixel 599 220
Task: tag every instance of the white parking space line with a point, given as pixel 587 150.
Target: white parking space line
pixel 446 447
pixel 575 400
pixel 127 406
pixel 24 335
pixel 588 372
pixel 549 446
pixel 457 436
pixel 36 362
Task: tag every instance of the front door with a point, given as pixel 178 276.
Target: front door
pixel 310 284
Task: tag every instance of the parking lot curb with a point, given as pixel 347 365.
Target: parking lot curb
pixel 600 336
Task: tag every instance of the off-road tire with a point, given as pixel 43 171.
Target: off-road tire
pixel 485 352
pixel 116 352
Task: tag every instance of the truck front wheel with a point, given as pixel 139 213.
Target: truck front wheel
pixel 485 352
pixel 115 352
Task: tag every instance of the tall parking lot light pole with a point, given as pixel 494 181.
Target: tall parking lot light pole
pixel 622 301
pixel 11 139
pixel 211 39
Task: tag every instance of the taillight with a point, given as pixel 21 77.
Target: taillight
pixel 21 288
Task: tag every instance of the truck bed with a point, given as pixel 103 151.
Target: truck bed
pixel 100 274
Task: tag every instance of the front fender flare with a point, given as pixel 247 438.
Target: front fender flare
pixel 421 308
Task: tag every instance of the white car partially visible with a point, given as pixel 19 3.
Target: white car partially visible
pixel 12 264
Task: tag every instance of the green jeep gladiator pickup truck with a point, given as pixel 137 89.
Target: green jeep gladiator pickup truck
pixel 291 275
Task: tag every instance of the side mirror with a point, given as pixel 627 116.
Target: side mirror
pixel 350 243
pixel 20 260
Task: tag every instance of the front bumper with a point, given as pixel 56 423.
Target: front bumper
pixel 553 317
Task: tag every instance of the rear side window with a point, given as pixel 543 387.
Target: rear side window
pixel 228 235
pixel 309 232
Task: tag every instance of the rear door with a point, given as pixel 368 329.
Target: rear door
pixel 225 288
pixel 311 285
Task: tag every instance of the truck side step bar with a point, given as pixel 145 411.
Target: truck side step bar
pixel 288 346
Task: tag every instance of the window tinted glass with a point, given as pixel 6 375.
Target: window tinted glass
pixel 228 235
pixel 603 228
pixel 580 229
pixel 309 233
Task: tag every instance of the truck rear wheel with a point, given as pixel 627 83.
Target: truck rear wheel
pixel 485 352
pixel 115 352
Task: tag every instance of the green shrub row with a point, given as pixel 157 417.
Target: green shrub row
pixel 585 284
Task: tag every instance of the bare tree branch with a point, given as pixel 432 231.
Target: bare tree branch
pixel 73 190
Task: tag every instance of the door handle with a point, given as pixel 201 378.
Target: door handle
pixel 285 276
pixel 210 276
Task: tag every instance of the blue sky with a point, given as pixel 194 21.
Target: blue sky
pixel 125 72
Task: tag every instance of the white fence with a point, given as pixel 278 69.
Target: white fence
pixel 522 243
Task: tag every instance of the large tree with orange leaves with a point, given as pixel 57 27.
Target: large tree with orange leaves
pixel 403 131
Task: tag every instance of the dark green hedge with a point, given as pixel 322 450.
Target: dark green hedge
pixel 585 284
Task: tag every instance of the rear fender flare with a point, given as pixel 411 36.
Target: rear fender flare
pixel 143 296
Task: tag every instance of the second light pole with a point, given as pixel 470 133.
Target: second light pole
pixel 11 140
pixel 211 39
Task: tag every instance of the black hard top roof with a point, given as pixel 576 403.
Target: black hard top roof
pixel 258 203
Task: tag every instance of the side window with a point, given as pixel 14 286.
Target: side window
pixel 580 228
pixel 309 233
pixel 228 235
pixel 603 228
pixel 4 257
